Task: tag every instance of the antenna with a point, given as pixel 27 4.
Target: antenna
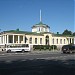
pixel 40 16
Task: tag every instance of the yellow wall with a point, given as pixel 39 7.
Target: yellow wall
pixel 21 36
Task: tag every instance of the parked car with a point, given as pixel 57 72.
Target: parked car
pixel 68 49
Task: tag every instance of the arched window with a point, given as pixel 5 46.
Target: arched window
pixel 47 40
pixel 30 40
pixel 53 41
pixel 60 41
pixel 26 39
pixel 64 41
pixel 35 40
pixel 40 40
pixel 57 41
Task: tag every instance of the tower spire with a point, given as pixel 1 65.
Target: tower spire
pixel 40 16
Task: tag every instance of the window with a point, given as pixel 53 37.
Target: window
pixel 47 40
pixel 64 41
pixel 70 40
pixel 30 40
pixel 35 40
pixel 60 41
pixel 26 39
pixel 57 41
pixel 40 40
pixel 53 40
pixel 10 39
pixel 39 28
pixel 21 39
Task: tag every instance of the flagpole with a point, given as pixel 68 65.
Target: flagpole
pixel 40 16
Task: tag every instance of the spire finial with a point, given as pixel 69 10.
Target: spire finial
pixel 40 15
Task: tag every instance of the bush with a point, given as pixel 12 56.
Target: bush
pixel 53 46
pixel 41 47
pixel 36 47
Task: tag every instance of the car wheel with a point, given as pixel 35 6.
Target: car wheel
pixel 23 51
pixel 8 51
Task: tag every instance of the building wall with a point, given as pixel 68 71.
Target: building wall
pixel 33 39
pixel 74 40
pixel 44 39
pixel 40 29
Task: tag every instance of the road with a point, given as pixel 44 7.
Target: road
pixel 37 63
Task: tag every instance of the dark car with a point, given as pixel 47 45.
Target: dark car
pixel 68 49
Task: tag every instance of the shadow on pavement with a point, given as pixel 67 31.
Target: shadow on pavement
pixel 37 67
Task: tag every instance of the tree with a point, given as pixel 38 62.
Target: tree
pixel 17 29
pixel 74 34
pixel 66 32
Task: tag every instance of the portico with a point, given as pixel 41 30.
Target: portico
pixel 13 38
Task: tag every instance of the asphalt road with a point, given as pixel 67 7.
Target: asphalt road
pixel 37 63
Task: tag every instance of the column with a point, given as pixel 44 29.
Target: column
pixel 18 39
pixel 3 39
pixel 69 40
pixel 13 39
pixel 7 39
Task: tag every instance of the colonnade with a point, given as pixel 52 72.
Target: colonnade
pixel 6 39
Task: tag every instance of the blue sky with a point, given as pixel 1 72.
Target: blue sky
pixel 23 14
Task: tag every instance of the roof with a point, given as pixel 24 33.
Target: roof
pixel 40 24
pixel 22 32
pixel 61 35
pixel 35 33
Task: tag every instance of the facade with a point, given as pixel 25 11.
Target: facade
pixel 40 35
pixel 40 27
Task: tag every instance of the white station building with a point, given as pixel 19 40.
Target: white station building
pixel 40 35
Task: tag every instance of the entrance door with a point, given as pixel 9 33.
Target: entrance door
pixel 47 40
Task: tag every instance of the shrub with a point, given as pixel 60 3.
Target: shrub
pixel 53 46
pixel 41 47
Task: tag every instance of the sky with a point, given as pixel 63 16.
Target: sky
pixel 23 14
